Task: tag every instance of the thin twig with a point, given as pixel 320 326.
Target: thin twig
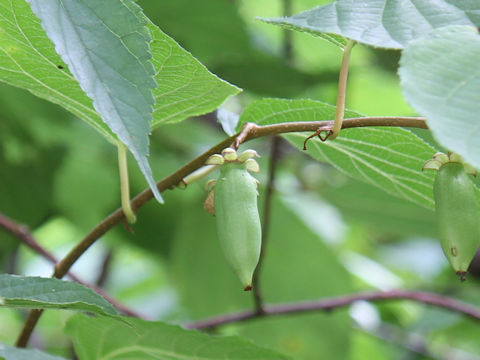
pixel 176 178
pixel 267 212
pixel 105 269
pixel 32 319
pixel 328 304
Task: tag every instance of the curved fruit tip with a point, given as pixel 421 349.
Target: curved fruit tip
pixel 462 275
pixel 248 288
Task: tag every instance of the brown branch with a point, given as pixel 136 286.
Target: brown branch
pixel 28 327
pixel 62 267
pixel 105 269
pixel 252 131
pixel 328 304
pixel 267 211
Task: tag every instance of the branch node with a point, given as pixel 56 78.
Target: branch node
pixel 247 129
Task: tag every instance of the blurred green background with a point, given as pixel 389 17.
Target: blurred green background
pixel 329 235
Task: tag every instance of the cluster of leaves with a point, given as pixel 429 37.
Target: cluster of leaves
pixel 111 66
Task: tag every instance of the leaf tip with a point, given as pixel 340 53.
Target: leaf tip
pixel 157 195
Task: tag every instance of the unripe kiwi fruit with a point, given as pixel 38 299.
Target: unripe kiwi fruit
pixel 456 207
pixel 238 221
pixel 458 217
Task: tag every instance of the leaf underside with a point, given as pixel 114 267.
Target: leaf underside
pixel 382 23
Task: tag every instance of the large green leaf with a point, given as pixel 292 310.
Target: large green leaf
pixel 389 158
pixel 46 293
pixel 382 23
pixel 440 75
pixel 103 338
pixel 106 46
pixel 12 353
pixel 28 60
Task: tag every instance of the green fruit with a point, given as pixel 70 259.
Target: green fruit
pixel 458 217
pixel 238 221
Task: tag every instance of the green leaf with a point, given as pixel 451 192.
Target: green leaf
pixel 389 158
pixel 440 77
pixel 382 23
pixel 106 47
pixel 103 338
pixel 28 60
pixel 13 353
pixel 46 293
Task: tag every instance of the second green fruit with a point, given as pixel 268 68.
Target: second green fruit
pixel 457 213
